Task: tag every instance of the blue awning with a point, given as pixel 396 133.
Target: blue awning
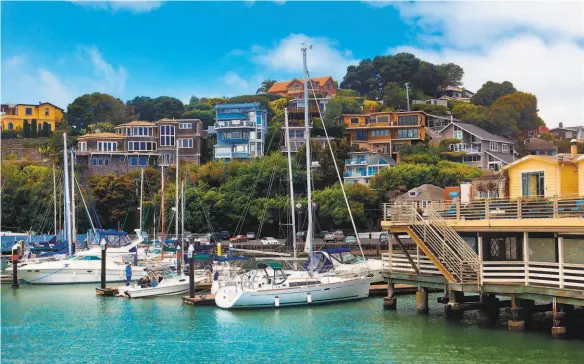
pixel 336 250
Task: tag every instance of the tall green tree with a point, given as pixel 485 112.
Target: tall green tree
pixel 149 109
pixel 33 128
pixel 491 91
pixel 514 113
pixel 266 84
pixel 96 107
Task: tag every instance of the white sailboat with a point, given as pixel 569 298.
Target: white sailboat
pixel 270 286
pixel 170 284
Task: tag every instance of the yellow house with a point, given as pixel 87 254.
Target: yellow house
pixel 560 176
pixel 13 116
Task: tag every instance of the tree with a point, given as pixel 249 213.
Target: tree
pixel 206 116
pixel 25 129
pixel 104 127
pixel 432 109
pixel 338 106
pixel 96 107
pixel 472 114
pixel 514 113
pixel 33 128
pixel 266 85
pixel 46 131
pixel 491 91
pixel 148 109
pixel 451 74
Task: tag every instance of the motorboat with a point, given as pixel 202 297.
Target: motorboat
pixel 168 283
pixel 77 269
pixel 269 286
pixel 347 264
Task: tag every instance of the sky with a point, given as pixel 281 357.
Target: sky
pixel 180 49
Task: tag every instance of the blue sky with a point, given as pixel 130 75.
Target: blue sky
pixel 181 49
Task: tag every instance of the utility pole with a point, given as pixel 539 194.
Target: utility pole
pixel 408 94
pixel 176 184
pixel 54 200
pixel 141 193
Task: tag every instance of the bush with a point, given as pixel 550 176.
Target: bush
pixel 9 134
pixel 347 93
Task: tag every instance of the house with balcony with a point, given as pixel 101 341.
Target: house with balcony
pixel 296 123
pixel 386 132
pixel 455 93
pixel 362 167
pixel 139 144
pixel 527 248
pixel 568 132
pixel 241 131
pixel 295 88
pixel 482 149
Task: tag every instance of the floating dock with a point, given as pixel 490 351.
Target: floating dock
pixel 200 300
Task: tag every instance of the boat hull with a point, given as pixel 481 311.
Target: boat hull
pixel 69 275
pixel 158 291
pixel 231 297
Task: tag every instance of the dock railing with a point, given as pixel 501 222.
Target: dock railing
pixel 548 274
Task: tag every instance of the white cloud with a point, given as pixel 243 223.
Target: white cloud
pixel 110 78
pixel 25 82
pixel 554 72
pixel 134 6
pixel 478 23
pixel 233 79
pixel 325 57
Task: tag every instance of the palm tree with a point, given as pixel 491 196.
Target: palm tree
pixel 266 84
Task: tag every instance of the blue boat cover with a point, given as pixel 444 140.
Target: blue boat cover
pixel 336 250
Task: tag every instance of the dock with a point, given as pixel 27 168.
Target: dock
pixel 200 300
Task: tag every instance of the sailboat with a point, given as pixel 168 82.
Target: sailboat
pixel 85 266
pixel 270 286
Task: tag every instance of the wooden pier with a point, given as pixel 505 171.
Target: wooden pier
pixel 200 300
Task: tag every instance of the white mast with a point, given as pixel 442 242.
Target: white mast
pixel 182 214
pixel 291 182
pixel 308 244
pixel 141 196
pixel 73 209
pixel 67 196
pixel 176 194
pixel 54 200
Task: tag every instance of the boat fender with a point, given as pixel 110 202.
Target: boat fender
pixel 277 302
pixel 309 298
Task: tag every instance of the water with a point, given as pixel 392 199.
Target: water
pixel 72 324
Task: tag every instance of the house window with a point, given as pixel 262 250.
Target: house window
pixel 457 133
pixel 167 135
pixel 377 133
pixel 46 111
pixel 494 146
pixel 407 133
pixel 94 161
pixel 407 120
pixel 10 126
pixel 505 148
pixel 83 146
pixel 28 111
pixel 107 146
pixel 412 193
pixel 532 184
pixel 459 147
pixel 383 119
pixel 185 126
pixel 185 143
pixel 141 146
pixel 354 120
pixel 328 86
pixel 361 135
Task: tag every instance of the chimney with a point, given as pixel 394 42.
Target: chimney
pixel 573 148
pixel 561 125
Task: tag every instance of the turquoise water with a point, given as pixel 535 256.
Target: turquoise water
pixel 72 324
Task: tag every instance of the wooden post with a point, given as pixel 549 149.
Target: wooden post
pixel 422 300
pixel 526 256
pixel 555 207
pixel 487 209
pixel 561 259
pixel 457 209
pixel 191 271
pixel 418 257
pixel 481 256
pixel 15 283
pixel 103 265
pixel 519 208
pixel 390 302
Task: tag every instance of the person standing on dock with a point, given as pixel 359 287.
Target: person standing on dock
pixel 128 274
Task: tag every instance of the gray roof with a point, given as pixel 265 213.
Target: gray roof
pixel 426 192
pixel 539 144
pixel 505 157
pixel 480 133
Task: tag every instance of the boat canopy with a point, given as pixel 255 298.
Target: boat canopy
pixel 230 258
pixel 336 250
pixel 114 238
pixel 318 263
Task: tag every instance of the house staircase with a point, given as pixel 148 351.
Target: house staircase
pixel 453 257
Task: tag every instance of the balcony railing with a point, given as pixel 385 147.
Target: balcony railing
pixel 497 209
pixel 235 124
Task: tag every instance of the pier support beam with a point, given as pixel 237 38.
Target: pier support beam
pixel 422 300
pixel 489 312
pixel 521 313
pixel 390 302
pixel 560 322
pixel 454 308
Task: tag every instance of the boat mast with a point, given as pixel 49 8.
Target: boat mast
pixel 73 209
pixel 290 181
pixel 176 184
pixel 67 198
pixel 308 244
pixel 162 214
pixel 54 200
pixel 141 196
pixel 182 215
